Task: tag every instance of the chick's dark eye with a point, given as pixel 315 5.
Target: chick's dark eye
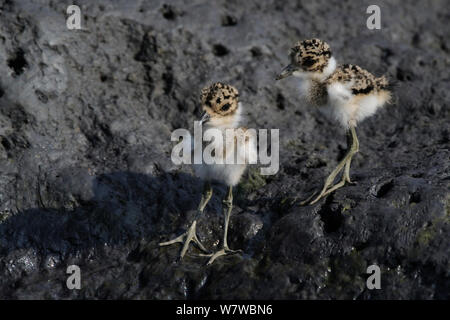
pixel 308 62
pixel 225 107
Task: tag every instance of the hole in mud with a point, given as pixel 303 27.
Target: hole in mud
pixel 392 144
pixel 403 75
pixel 360 246
pixel 416 39
pixel 168 12
pixel 256 52
pixel 18 63
pixel 41 96
pixel 331 216
pixel 2 92
pixel 220 50
pixel 415 198
pixel 280 101
pixel 5 143
pixel 167 77
pixel 228 21
pixel 384 189
pixel 417 175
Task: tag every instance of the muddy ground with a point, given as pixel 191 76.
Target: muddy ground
pixel 86 176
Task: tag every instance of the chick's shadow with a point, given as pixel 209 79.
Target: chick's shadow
pixel 125 208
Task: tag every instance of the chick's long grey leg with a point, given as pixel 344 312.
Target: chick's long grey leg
pixel 227 207
pixel 329 181
pixel 346 176
pixel 353 147
pixel 191 235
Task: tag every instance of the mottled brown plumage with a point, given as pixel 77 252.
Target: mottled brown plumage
pixel 310 55
pixel 220 99
pixel 362 81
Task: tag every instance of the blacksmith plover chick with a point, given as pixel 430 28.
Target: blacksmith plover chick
pixel 222 111
pixel 352 92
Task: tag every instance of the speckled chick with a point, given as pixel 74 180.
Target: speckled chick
pixel 352 92
pixel 222 112
pixel 222 108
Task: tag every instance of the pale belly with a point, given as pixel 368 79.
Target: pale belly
pixel 228 174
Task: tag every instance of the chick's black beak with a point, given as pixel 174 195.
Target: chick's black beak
pixel 286 72
pixel 205 117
